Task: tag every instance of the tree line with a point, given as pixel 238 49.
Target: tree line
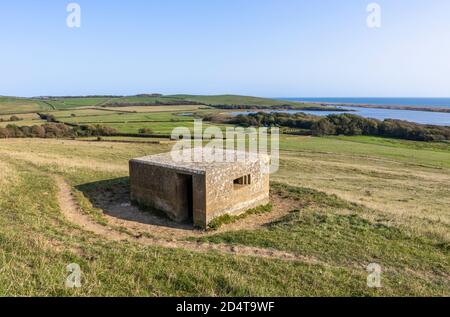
pixel 55 130
pixel 11 119
pixel 346 124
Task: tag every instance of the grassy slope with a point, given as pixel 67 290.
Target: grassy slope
pixel 161 119
pixel 10 105
pixel 37 244
pixel 240 100
pixel 68 103
pixel 339 237
pixel 122 117
pixel 147 99
pixel 159 122
pixel 405 183
pixel 433 155
pixel 347 239
pixel 22 105
pixel 35 261
pixel 23 123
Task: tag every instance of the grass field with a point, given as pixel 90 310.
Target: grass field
pixel 340 203
pixel 112 117
pixel 160 122
pixel 24 116
pixel 160 119
pixel 23 123
pixel 241 100
pixel 68 103
pixel 185 108
pixel 10 105
pixel 350 201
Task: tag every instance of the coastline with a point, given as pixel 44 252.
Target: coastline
pixel 389 107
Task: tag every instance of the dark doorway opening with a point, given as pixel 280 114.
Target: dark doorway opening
pixel 188 197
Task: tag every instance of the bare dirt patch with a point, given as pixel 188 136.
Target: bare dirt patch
pixel 113 199
pixel 71 211
pixel 163 232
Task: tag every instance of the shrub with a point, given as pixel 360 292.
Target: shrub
pixel 54 130
pixel 48 117
pixel 14 118
pixel 323 127
pixel 4 133
pixel 145 131
pixel 346 124
pixel 37 131
pixel 105 130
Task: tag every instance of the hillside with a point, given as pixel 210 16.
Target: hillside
pixel 241 100
pixel 9 105
pixel 338 205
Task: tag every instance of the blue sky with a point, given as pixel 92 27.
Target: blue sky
pixel 272 48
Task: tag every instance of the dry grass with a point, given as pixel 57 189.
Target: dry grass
pixel 8 176
pixel 23 123
pixel 415 196
pixel 402 203
pixel 145 109
pixel 65 163
pixel 25 116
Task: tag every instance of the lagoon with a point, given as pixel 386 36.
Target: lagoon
pixel 423 117
pixel 413 102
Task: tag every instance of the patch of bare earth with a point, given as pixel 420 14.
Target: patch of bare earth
pixel 165 233
pixel 114 201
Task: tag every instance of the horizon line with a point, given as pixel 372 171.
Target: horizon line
pixel 224 94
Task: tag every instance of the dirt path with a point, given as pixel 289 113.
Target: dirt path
pixel 72 212
pixel 123 214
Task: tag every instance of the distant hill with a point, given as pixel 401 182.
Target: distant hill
pixel 241 100
pixel 9 105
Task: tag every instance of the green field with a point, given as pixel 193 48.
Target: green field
pixel 106 117
pixel 241 100
pixel 339 204
pixel 346 201
pixel 68 103
pixel 22 116
pixel 159 122
pixel 10 105
pixel 146 99
pixel 23 123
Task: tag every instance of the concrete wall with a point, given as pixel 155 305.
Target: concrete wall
pixel 213 193
pixel 166 190
pixel 225 197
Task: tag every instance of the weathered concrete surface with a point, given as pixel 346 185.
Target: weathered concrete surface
pixel 225 197
pixel 200 191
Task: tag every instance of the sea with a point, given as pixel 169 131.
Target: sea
pixel 416 102
pixel 423 117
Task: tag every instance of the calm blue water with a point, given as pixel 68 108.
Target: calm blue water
pixel 418 102
pixel 424 117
